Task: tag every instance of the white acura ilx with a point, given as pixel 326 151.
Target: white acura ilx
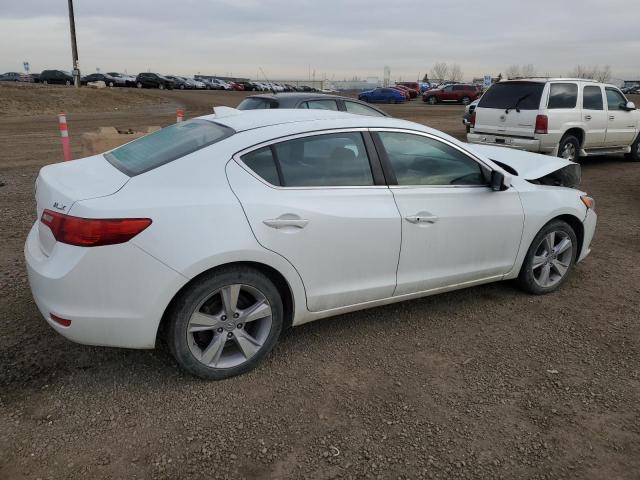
pixel 219 232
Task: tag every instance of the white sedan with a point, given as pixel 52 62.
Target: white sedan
pixel 219 232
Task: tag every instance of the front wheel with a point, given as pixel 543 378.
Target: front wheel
pixel 139 85
pixel 466 100
pixel 550 258
pixel 634 155
pixel 161 86
pixel 226 323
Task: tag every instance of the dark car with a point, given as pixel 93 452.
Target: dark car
pixel 123 80
pixel 153 80
pixel 248 86
pixel 57 77
pixel 179 82
pixel 108 80
pixel 11 77
pixel 309 100
pixel 457 92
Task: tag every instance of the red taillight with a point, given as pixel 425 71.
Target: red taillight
pixel 92 232
pixel 61 321
pixel 542 124
pixel 472 120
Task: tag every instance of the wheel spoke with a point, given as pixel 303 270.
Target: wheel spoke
pixel 562 247
pixel 200 322
pixel 247 343
pixel 256 311
pixel 544 275
pixel 550 241
pixel 538 261
pixel 211 354
pixel 560 267
pixel 229 296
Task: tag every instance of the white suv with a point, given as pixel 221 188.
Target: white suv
pixel 565 117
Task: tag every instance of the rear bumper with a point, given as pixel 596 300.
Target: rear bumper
pixel 530 145
pixel 113 295
pixel 589 223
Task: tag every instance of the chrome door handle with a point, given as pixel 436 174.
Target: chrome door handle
pixel 587 117
pixel 612 117
pixel 286 222
pixel 421 219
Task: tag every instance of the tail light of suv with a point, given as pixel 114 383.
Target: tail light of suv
pixel 92 232
pixel 542 124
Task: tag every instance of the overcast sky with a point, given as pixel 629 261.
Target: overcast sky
pixel 339 39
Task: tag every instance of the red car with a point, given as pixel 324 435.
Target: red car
pixel 415 86
pixel 236 86
pixel 404 91
pixel 457 92
pixel 411 91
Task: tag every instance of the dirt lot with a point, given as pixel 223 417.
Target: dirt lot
pixel 481 383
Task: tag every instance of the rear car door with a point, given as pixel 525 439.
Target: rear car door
pixel 315 200
pixel 594 116
pixel 455 229
pixel 621 126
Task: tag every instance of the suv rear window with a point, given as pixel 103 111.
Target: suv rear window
pixel 257 103
pixel 166 145
pixel 505 95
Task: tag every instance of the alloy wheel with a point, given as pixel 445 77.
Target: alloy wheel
pixel 230 326
pixel 568 151
pixel 552 259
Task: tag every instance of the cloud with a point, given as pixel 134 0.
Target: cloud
pixel 338 39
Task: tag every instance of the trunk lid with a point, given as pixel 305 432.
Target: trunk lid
pixel 496 113
pixel 60 185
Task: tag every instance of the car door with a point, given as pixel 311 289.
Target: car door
pixel 447 93
pixel 594 116
pixel 455 229
pixel 621 125
pixel 315 200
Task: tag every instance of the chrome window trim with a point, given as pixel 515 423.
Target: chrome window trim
pixel 237 157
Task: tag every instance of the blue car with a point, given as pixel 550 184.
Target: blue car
pixel 382 95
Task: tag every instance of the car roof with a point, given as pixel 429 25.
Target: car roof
pixel 242 120
pixel 292 99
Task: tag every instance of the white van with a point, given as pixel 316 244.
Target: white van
pixel 566 117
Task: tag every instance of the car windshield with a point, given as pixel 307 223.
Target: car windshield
pixel 166 145
pixel 503 95
pixel 257 103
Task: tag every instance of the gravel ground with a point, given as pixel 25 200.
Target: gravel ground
pixel 481 383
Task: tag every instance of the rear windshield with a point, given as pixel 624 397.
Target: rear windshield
pixel 506 95
pixel 256 103
pixel 166 145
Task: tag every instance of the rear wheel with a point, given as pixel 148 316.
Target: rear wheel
pixel 466 100
pixel 568 148
pixel 550 258
pixel 225 323
pixel 432 100
pixel 634 155
pixel 111 84
pixel 45 82
pixel 161 86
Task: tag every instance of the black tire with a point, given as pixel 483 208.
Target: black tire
pixel 465 100
pixel 184 306
pixel 67 83
pixel 181 87
pixel 526 279
pixel 161 86
pixel 139 84
pixel 634 156
pixel 573 144
pixel 432 100
pixel 111 84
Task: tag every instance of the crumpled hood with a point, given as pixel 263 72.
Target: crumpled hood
pixel 530 166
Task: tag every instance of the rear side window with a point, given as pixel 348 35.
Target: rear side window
pixel 563 95
pixel 332 160
pixel 257 104
pixel 359 109
pixel 418 160
pixel 503 95
pixel 592 98
pixel 166 145
pixel 321 105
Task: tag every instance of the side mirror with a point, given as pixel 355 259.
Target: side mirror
pixel 630 106
pixel 499 181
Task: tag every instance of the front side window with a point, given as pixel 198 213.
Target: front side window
pixel 166 145
pixel 418 160
pixel 359 109
pixel 615 100
pixel 322 104
pixel 592 98
pixel 563 95
pixel 332 160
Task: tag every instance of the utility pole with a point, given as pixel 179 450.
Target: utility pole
pixel 74 46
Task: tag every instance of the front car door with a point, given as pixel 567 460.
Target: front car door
pixel 455 229
pixel 594 116
pixel 447 93
pixel 315 200
pixel 621 127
